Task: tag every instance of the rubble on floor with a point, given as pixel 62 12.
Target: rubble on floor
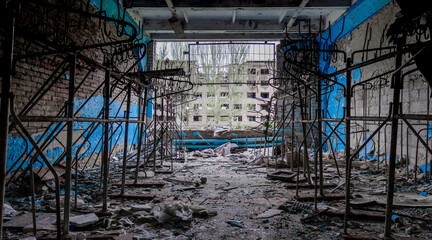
pixel 234 196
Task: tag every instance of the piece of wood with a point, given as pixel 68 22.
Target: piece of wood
pixel 356 214
pixel 359 235
pixel 326 197
pixel 134 196
pixel 44 174
pixel 308 186
pixel 164 171
pixel 24 220
pixel 143 184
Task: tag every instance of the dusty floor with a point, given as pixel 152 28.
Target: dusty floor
pixel 247 205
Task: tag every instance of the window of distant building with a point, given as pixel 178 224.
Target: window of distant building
pixel 265 71
pixel 251 71
pixel 239 118
pixel 210 95
pixel 251 95
pixel 210 118
pixel 197 106
pixel 224 106
pixel 224 94
pixel 251 118
pixel 264 107
pixel 237 106
pixel 224 118
pixel 251 83
pixel 197 118
pixel 264 83
pixel 198 95
pixel 265 95
pixel 251 107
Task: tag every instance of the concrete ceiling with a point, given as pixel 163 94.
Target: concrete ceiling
pixel 232 20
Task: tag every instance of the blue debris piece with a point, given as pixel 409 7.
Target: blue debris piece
pixel 368 148
pixel 424 194
pixel 235 223
pixel 395 217
pixel 424 169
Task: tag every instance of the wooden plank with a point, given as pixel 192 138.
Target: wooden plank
pixel 326 197
pixel 309 186
pixel 134 196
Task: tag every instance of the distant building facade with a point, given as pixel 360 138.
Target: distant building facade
pixel 239 106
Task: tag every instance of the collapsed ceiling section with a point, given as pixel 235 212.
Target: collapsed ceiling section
pixel 233 20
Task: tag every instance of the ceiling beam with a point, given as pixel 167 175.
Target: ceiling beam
pixel 221 36
pixel 185 15
pixel 296 14
pixel 226 26
pixel 240 3
pixel 175 22
pixel 282 16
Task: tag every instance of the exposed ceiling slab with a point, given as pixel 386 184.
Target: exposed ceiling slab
pixel 231 20
pixel 238 3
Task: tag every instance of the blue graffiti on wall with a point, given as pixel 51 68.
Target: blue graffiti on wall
pixel 17 145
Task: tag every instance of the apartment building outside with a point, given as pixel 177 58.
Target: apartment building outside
pixel 241 103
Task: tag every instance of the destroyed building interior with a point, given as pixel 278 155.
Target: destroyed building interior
pixel 243 119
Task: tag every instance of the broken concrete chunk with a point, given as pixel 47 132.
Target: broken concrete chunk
pixel 125 221
pixel 364 167
pixel 269 213
pixel 173 212
pixel 148 174
pixel 200 211
pixel 78 236
pixel 143 207
pixel 84 220
pixel 80 203
pixel 8 211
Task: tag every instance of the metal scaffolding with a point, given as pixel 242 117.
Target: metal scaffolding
pixel 305 84
pixel 115 57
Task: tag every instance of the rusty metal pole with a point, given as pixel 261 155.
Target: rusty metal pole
pixel 162 126
pixel 306 170
pixel 126 137
pixel 105 154
pixel 283 131
pixel 141 130
pixel 292 138
pixel 320 135
pixel 154 130
pixel 69 144
pixel 393 140
pixel 347 145
pixel 6 69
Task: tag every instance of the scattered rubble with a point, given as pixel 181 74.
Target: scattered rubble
pixel 228 197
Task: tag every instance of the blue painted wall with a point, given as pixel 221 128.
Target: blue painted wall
pixel 16 145
pixel 333 103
